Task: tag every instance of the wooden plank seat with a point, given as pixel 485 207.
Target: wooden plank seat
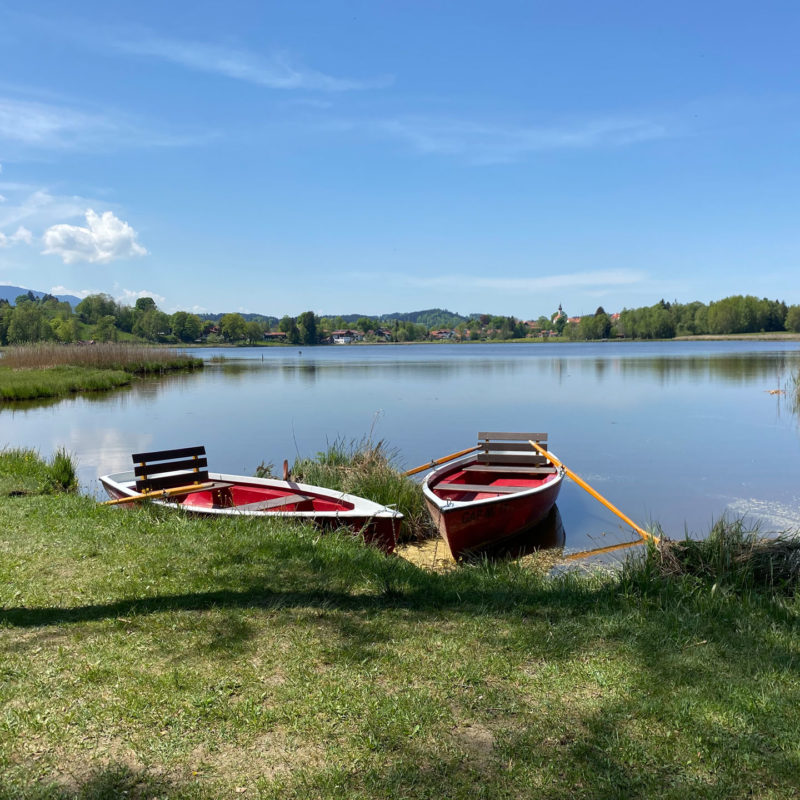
pixel 477 487
pixel 503 447
pixel 275 502
pixel 167 469
pixel 512 469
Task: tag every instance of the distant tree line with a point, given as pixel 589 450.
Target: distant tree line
pixel 664 320
pixel 101 318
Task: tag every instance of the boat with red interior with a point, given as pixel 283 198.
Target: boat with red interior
pixel 178 479
pixel 497 492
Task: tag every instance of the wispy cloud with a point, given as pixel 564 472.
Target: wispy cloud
pixel 486 143
pixel 465 283
pixel 130 296
pixel 276 71
pixel 37 207
pixel 51 126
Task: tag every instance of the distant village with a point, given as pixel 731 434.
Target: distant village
pixel 541 328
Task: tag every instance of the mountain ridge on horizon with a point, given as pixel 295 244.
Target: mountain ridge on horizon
pixel 11 293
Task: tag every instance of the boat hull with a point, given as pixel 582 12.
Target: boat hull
pixel 474 525
pixel 327 509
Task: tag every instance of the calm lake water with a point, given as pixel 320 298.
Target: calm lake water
pixel 672 432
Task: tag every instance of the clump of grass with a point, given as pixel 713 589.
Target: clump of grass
pixel 109 355
pixel 24 471
pixel 733 558
pixel 62 471
pixel 368 469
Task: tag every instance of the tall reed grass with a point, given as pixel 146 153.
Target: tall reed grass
pixel 732 558
pixel 108 355
pixel 367 469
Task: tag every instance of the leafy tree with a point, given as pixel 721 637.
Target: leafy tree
pixel 233 327
pixel 28 324
pixel 307 327
pixel 254 331
pixel 793 319
pixel 145 304
pixel 6 312
pixel 65 330
pixel 106 329
pixel 151 325
pixel 185 327
pixel 95 306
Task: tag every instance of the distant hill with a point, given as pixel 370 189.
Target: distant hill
pixel 431 317
pixel 247 317
pixel 11 293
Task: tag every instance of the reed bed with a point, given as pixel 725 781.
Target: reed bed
pixel 107 355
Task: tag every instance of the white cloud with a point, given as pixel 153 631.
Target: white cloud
pixel 274 72
pixel 21 235
pixel 40 123
pixel 106 238
pixel 129 297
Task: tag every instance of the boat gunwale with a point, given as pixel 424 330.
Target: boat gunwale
pixel 362 507
pixel 447 505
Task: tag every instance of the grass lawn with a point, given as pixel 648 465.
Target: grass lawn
pixel 147 655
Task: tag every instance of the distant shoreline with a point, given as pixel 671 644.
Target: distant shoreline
pixel 706 337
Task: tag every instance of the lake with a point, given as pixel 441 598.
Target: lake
pixel 677 433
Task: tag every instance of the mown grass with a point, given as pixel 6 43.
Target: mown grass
pixel 146 654
pixel 47 370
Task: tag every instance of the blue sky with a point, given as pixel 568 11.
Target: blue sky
pixel 370 157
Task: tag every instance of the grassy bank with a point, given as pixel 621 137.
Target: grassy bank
pixel 39 371
pixel 144 654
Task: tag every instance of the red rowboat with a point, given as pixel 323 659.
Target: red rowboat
pixel 221 495
pixel 494 494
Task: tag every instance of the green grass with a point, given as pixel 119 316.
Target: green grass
pixel 144 654
pixel 30 384
pixel 46 370
pixel 25 472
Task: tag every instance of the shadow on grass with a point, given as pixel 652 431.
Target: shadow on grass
pixel 107 783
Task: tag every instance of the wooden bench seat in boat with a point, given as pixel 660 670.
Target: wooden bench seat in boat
pixel 513 469
pixel 168 469
pixel 502 447
pixel 275 502
pixel 477 487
